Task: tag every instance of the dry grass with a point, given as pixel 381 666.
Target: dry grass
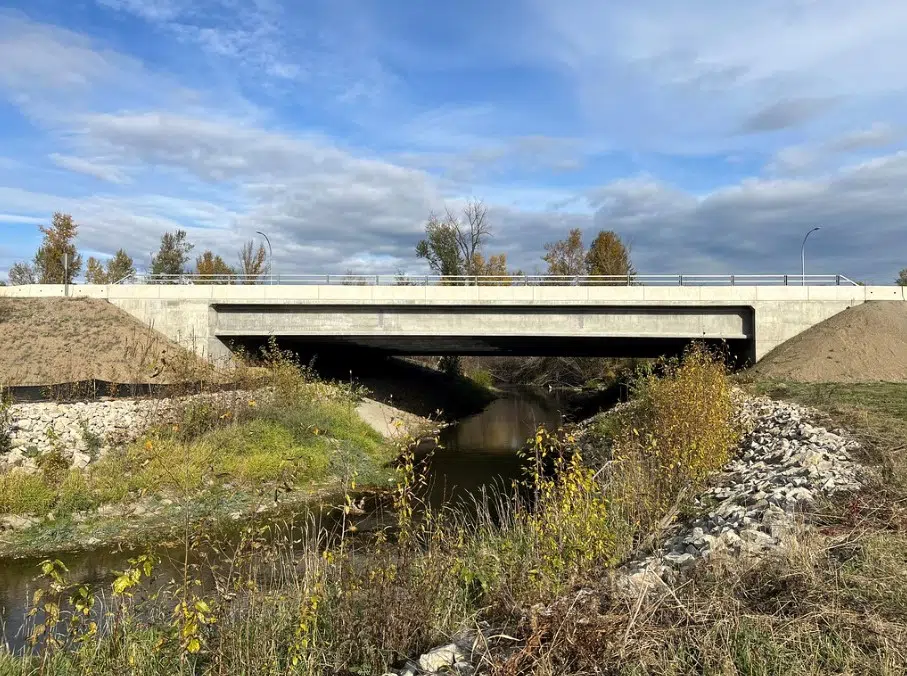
pixel 47 341
pixel 823 606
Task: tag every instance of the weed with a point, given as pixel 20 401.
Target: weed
pixel 6 440
pixel 93 442
pixel 23 493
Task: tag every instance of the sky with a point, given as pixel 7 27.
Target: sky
pixel 710 135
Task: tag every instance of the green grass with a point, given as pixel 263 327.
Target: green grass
pixel 304 440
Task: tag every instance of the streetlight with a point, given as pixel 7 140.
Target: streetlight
pixel 803 254
pixel 270 257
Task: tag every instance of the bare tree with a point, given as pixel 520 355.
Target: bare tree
pixel 22 273
pixel 471 235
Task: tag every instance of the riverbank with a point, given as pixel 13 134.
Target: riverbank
pixel 770 552
pixel 440 570
pixel 104 473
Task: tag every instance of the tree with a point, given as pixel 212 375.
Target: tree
pixel 117 269
pixel 451 245
pixel 902 278
pixel 252 262
pixel 609 256
pixel 58 244
pixel 566 257
pixel 95 272
pixel 22 273
pixel 472 234
pixel 120 267
pixel 212 269
pixel 173 255
pixel 439 248
pixel 495 266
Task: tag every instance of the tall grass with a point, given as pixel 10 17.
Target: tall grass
pixel 290 601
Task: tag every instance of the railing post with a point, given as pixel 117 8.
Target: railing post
pixel 680 280
pixel 785 280
pixel 328 278
pixel 837 280
pixel 732 281
pixel 377 283
pixel 629 279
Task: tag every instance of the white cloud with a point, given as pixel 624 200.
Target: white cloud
pixel 804 158
pixel 98 170
pixel 221 169
pixel 755 226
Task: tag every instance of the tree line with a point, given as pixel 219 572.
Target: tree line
pixel 57 261
pixel 453 247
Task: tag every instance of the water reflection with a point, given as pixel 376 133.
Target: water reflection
pixel 481 451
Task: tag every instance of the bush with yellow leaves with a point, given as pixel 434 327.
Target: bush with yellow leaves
pixel 681 429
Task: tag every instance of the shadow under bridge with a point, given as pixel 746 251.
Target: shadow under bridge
pixel 488 329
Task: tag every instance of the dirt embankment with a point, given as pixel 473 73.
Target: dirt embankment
pixel 865 343
pixel 48 341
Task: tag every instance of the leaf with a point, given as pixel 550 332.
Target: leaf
pixel 121 584
pixel 202 606
pixel 193 646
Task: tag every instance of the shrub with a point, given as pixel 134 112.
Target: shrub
pixel 680 430
pixel 54 466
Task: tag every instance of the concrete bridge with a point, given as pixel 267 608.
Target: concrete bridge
pixel 529 316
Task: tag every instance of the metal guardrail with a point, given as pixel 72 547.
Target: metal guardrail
pixel 500 280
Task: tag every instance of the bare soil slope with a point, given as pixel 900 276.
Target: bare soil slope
pixel 49 341
pixel 866 343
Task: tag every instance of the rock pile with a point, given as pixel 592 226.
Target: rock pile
pixel 784 463
pixel 85 431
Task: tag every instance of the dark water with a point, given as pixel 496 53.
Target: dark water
pixel 482 451
pixel 478 452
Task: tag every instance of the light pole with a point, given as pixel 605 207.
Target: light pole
pixel 803 254
pixel 270 257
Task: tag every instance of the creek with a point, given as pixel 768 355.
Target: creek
pixel 476 453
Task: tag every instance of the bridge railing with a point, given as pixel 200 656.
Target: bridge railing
pixel 499 280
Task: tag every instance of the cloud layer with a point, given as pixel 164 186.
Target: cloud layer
pixel 711 138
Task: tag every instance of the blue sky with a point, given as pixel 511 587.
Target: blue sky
pixel 711 135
